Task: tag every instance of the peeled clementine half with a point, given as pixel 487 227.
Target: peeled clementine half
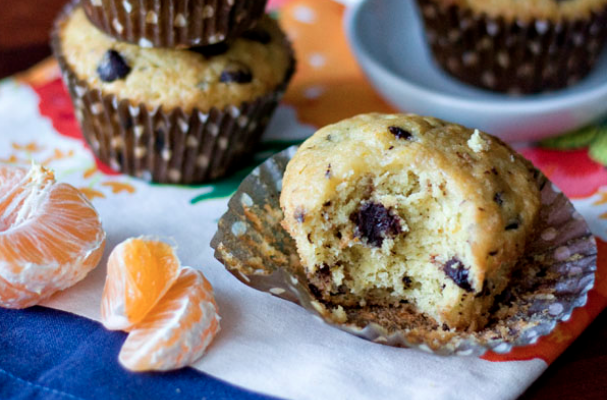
pixel 177 331
pixel 139 272
pixel 50 236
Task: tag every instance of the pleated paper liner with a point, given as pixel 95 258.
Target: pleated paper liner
pixel 174 23
pixel 167 146
pixel 515 57
pixel 551 280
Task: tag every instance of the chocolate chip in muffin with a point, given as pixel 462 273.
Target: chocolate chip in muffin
pixel 374 222
pixel 400 133
pixel 236 72
pixel 112 67
pixel 456 270
pixel 512 225
pixel 498 198
pixel 257 35
pixel 212 50
pixel 407 281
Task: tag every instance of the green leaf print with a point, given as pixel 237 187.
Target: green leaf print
pixel 598 147
pixel 227 186
pixel 593 137
pixel 573 140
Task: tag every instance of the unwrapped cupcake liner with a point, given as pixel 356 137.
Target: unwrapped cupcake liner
pixel 548 283
pixel 174 23
pixel 167 146
pixel 517 57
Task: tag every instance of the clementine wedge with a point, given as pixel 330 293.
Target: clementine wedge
pixel 50 236
pixel 178 330
pixel 139 272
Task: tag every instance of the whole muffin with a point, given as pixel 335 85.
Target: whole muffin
pixel 181 116
pixel 387 209
pixel 174 23
pixel 516 46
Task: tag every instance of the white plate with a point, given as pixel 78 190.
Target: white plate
pixel 388 41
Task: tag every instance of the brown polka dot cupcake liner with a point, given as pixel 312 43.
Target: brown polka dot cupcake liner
pixel 546 286
pixel 174 23
pixel 167 146
pixel 514 57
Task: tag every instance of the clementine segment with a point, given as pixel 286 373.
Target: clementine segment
pixel 50 236
pixel 140 271
pixel 178 330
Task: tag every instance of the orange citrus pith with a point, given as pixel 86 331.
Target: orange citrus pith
pixel 178 330
pixel 50 236
pixel 140 271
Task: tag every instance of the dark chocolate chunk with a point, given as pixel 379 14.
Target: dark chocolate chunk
pixel 407 281
pixel 455 270
pixel 324 271
pixel 493 253
pixel 498 198
pixel 494 171
pixel 212 50
pixel 374 222
pixel 327 204
pixel 315 291
pixel 258 35
pixel 236 72
pixel 400 133
pixel 512 225
pixel 112 67
pixel 328 172
pixel 445 327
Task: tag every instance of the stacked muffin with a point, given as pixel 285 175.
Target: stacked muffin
pixel 516 46
pixel 187 113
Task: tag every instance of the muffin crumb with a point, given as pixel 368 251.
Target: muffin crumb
pixel 477 143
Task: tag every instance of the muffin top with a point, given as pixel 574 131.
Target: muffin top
pixel 206 77
pixel 486 169
pixel 526 10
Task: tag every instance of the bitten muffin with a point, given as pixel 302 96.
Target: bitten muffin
pixel 174 23
pixel 387 209
pixel 173 115
pixel 516 46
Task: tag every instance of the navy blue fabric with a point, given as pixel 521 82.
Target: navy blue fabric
pixel 49 354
